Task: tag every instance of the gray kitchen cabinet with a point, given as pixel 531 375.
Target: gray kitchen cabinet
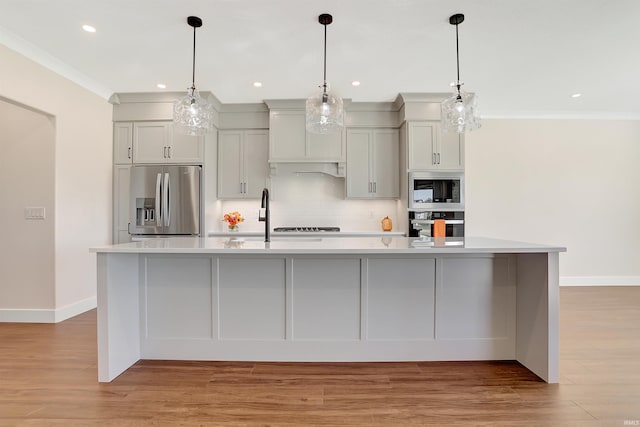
pixel 243 166
pixel 143 143
pixel 431 149
pixel 121 178
pixel 157 142
pixel 185 148
pixel 373 164
pixel 290 142
pixel 123 143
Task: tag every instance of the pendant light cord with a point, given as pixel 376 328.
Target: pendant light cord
pixel 193 72
pixel 325 19
pixel 457 51
pixel 458 63
pixel 325 58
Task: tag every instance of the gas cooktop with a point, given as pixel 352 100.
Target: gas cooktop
pixel 306 229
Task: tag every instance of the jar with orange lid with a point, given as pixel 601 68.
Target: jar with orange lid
pixel 387 224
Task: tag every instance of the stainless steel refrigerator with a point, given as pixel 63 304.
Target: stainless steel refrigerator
pixel 165 200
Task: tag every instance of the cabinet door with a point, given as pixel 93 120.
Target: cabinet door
pixel 230 165
pixel 122 143
pixel 287 136
pixel 358 180
pixel 121 179
pixel 422 145
pixel 123 237
pixel 450 151
pixel 386 163
pixel 151 141
pixel 185 148
pixel 324 146
pixel 255 150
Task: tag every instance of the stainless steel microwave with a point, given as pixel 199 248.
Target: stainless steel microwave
pixel 436 191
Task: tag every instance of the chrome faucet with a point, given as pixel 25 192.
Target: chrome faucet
pixel 267 214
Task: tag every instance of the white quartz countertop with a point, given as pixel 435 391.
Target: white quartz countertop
pixel 321 234
pixel 319 245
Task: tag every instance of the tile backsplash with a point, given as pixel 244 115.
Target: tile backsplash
pixel 308 200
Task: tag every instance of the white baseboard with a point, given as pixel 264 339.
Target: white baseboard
pixel 599 280
pixel 47 315
pixel 70 310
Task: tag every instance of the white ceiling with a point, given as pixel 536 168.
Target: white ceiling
pixel 522 58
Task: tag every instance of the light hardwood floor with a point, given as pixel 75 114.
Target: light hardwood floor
pixel 48 377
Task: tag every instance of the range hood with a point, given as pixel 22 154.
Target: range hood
pixel 293 150
pixel 334 169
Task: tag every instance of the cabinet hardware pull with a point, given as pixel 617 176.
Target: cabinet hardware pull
pixel 375 186
pixel 164 152
pixel 129 152
pixel 169 151
pixel 433 158
pixel 438 158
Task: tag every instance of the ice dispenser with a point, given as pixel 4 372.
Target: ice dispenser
pixel 145 211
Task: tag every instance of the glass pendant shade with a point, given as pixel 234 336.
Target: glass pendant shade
pixel 459 113
pixel 324 113
pixel 192 114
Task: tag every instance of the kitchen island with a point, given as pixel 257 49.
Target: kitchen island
pixel 314 299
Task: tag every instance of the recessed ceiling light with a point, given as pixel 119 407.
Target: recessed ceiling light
pixel 576 95
pixel 161 86
pixel 257 84
pixel 89 28
pixel 355 83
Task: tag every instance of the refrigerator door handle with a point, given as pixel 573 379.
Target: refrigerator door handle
pixel 158 207
pixel 166 191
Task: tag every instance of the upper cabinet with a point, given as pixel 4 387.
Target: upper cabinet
pixel 243 167
pixel 431 149
pixel 185 148
pixel 157 142
pixel 290 142
pixel 373 164
pixel 122 143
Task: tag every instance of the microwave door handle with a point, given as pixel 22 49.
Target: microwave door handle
pixel 166 191
pixel 158 206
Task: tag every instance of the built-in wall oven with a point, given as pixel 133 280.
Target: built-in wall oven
pixel 421 223
pixel 436 191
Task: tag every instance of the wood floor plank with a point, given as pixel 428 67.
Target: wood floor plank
pixel 48 377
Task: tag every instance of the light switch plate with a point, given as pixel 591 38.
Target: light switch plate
pixel 34 213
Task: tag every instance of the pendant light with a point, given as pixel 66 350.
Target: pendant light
pixel 459 112
pixel 192 114
pixel 324 112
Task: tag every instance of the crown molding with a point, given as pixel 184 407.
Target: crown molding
pixel 560 115
pixel 39 56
